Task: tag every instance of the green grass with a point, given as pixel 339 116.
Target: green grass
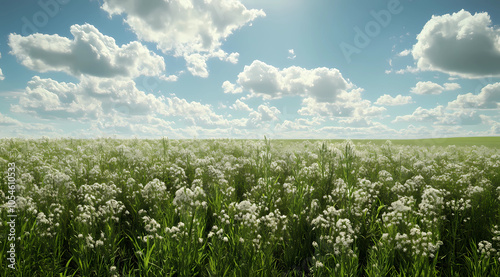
pixel 458 141
pixel 109 207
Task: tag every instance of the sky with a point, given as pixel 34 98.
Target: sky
pixel 324 69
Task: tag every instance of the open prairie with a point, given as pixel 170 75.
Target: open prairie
pixel 108 207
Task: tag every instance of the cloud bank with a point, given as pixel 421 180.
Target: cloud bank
pixel 89 53
pixel 194 30
pixel 459 44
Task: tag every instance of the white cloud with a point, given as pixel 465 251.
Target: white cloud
pixel 459 44
pixel 241 106
pixel 298 124
pixel 451 86
pixel 408 69
pixel 195 113
pixel 461 118
pixel 376 130
pixel 122 127
pixel 8 121
pixel 231 88
pixel 90 99
pixel 89 53
pixel 169 78
pixel 291 54
pixel 324 91
pixel 488 98
pixel 348 105
pixel 433 88
pixel 436 131
pixel 323 84
pixel 421 114
pixel 439 116
pixel 404 53
pixel 185 27
pixel 265 113
pixel 116 106
pixel 387 100
pixel 495 129
pixel 1 73
pixel 288 125
pixel 427 88
pixel 197 64
pixel 14 128
pixel 256 118
pixel 356 121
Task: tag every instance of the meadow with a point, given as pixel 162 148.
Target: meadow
pixel 110 207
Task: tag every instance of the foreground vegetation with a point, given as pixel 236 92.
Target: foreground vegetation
pixel 250 208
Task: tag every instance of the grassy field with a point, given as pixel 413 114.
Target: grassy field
pixel 458 141
pixel 108 207
pixel 461 141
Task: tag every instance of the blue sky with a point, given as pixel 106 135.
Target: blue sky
pixel 249 68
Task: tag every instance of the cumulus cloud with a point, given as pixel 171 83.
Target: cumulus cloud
pixel 347 105
pixel 291 54
pixel 89 53
pixel 185 28
pixel 356 121
pixel 117 106
pixel 265 113
pixel 461 118
pixel 404 53
pixel 231 88
pixel 262 118
pixel 266 81
pixel 488 98
pixel 495 129
pixel 1 73
pixel 298 124
pixel 421 114
pixel 169 78
pixel 408 69
pixel 197 64
pixel 195 113
pixel 143 126
pixel 324 91
pixel 439 116
pixel 90 99
pixel 8 121
pixel 289 125
pixel 241 106
pixel 429 87
pixel 376 130
pixel 387 100
pixel 459 44
pixel 451 86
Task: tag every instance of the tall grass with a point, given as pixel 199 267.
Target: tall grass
pixel 108 207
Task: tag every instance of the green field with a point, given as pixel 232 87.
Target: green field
pixel 458 141
pixel 109 207
pixel 462 141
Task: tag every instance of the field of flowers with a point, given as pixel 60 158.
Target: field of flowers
pixel 109 207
